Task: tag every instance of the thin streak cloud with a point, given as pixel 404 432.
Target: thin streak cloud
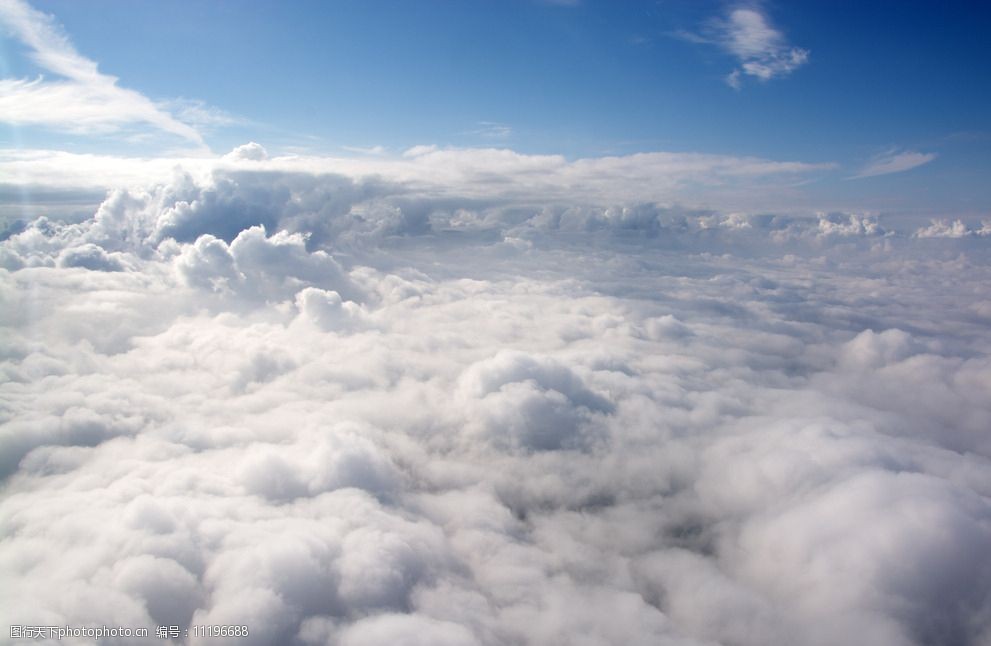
pixel 894 162
pixel 88 101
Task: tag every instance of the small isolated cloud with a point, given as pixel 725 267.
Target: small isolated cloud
pixel 373 151
pixel 894 162
pixel 762 51
pixel 250 151
pixel 200 114
pixel 491 130
pixel 85 101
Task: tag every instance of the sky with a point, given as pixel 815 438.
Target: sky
pixel 891 102
pixel 495 324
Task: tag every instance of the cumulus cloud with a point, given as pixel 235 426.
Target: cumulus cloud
pixel 89 256
pixel 842 224
pixel 942 228
pixel 250 151
pixel 350 408
pixel 530 402
pixel 260 267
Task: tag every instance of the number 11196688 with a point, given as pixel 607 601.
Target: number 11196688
pixel 218 631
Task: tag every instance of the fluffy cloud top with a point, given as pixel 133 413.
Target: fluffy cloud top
pixel 342 410
pixel 956 229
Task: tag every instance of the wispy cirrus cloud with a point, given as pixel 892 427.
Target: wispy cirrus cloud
pixel 201 115
pixel 894 161
pixel 86 101
pixel 491 130
pixel 763 52
pixel 373 151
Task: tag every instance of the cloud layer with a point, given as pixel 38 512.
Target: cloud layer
pixel 476 176
pixel 345 410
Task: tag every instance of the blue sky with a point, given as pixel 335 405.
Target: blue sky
pixel 899 93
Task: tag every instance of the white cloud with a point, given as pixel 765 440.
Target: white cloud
pixel 375 151
pixel 733 80
pixel 89 256
pixel 941 228
pixel 491 130
pixel 694 179
pixel 87 101
pixel 250 151
pixel 468 397
pixel 894 162
pixel 746 33
pixel 201 115
pixel 842 224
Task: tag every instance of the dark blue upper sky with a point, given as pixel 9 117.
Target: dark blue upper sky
pixel 854 83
